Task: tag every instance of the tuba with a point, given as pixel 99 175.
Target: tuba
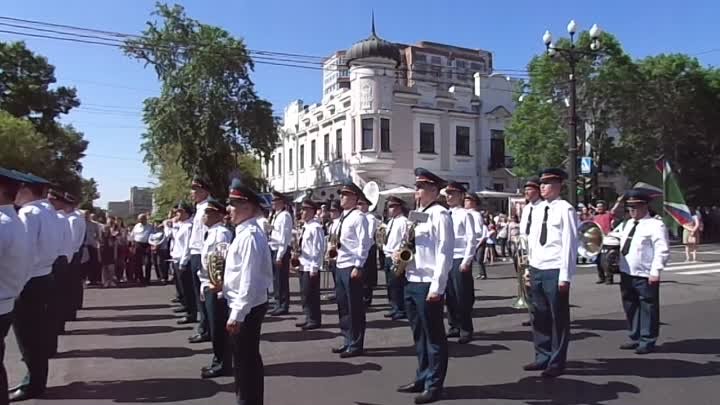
pixel 522 265
pixel 216 263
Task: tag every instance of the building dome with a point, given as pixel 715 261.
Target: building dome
pixel 373 47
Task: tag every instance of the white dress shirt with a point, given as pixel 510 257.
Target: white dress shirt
pixel 16 254
pixel 649 250
pixel 313 247
pixel 560 249
pixel 181 242
pixel 480 227
pixel 43 229
pixel 434 243
pixel 77 226
pixel 217 233
pixel 281 235
pixel 465 235
pixel 355 239
pixel 198 229
pixel 332 229
pixel 530 207
pixel 141 233
pixel 396 230
pixel 373 224
pixel 262 222
pixel 248 270
pixel 66 238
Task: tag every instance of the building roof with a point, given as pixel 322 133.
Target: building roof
pixel 373 47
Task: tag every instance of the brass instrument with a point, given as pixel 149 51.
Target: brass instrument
pixel 295 250
pixel 381 235
pixel 216 264
pixel 522 268
pixel 590 240
pixel 406 252
pixel 333 244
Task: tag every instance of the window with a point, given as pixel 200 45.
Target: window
pixel 290 161
pixel 353 139
pixel 461 67
pixel 499 187
pixel 338 144
pixel 326 147
pixel 497 149
pixel 384 135
pixel 462 141
pixel 301 158
pixel 435 60
pixel 312 152
pixel 478 67
pixel 279 163
pixel 427 138
pixel 367 134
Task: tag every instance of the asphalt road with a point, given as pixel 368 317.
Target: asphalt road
pixel 127 348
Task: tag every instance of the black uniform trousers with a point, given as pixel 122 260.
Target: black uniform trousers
pixel 32 329
pixel 351 309
pixel 550 318
pixel 58 301
pixel 195 266
pixel 188 290
pixel 370 275
pixel 460 297
pixel 178 282
pixel 395 289
pixel 218 311
pixel 5 322
pixel 480 259
pixel 160 262
pixel 641 302
pixel 310 288
pixel 281 281
pixel 77 289
pixel 248 365
pixel 92 267
pixel 141 258
pixel 428 328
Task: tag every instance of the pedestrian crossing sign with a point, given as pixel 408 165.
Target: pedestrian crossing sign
pixel 585 165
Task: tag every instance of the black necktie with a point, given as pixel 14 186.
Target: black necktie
pixel 205 235
pixel 529 222
pixel 626 245
pixel 543 231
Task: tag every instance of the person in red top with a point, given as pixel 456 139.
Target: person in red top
pixel 605 219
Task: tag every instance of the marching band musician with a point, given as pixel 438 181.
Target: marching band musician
pixel 248 277
pixel 216 307
pixel 460 293
pixel 370 269
pixel 354 242
pixel 280 238
pixel 553 243
pixel 77 225
pixel 200 192
pixel 426 281
pixel 32 324
pixel 60 307
pixel 395 283
pixel 644 253
pixel 332 226
pixel 312 252
pixel 180 254
pixel 532 195
pixel 16 253
pixel 472 203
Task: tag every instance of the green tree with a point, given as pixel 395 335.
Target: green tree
pixel 208 106
pixel 22 147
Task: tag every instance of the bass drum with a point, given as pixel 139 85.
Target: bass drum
pixel 610 255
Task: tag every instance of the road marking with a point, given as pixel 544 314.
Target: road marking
pixel 690 266
pixel 692 273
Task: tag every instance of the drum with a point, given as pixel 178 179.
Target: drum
pixel 610 255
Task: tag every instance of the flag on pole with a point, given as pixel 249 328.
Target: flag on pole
pixel 673 201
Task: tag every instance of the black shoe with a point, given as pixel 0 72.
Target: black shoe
pixel 347 355
pixel 552 372
pixel 411 388
pixel 629 346
pixel 600 282
pixel 301 324
pixel 534 367
pixel 214 373
pixel 185 320
pixel 609 282
pixel 174 300
pixel 279 312
pixel 341 349
pixel 23 394
pixel 198 338
pixel 179 309
pixel 311 326
pixel 389 315
pixel 526 323
pixel 464 339
pixel 644 350
pixel 453 333
pixel 427 397
pixel 397 317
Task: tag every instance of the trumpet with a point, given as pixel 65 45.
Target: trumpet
pixel 216 264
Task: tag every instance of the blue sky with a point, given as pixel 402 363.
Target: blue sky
pixel 112 86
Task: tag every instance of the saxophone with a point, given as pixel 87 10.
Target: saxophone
pixel 406 251
pixel 216 264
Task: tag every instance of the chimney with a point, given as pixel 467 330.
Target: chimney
pixel 477 83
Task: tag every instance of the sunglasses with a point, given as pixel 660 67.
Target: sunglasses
pixel 393 205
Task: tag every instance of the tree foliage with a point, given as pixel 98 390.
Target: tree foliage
pixel 208 107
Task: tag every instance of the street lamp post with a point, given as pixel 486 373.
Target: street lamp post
pixel 572 54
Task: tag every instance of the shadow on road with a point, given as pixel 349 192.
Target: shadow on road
pixel 454 350
pixel 129 330
pixel 692 346
pixel 600 324
pixel 128 307
pixel 537 391
pixel 374 324
pixel 127 318
pixel 524 335
pixel 644 367
pixel 153 390
pixel 495 311
pixel 480 297
pixel 315 369
pixel 134 353
pixel 298 336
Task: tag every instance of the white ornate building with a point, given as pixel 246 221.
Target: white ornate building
pixel 388 108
